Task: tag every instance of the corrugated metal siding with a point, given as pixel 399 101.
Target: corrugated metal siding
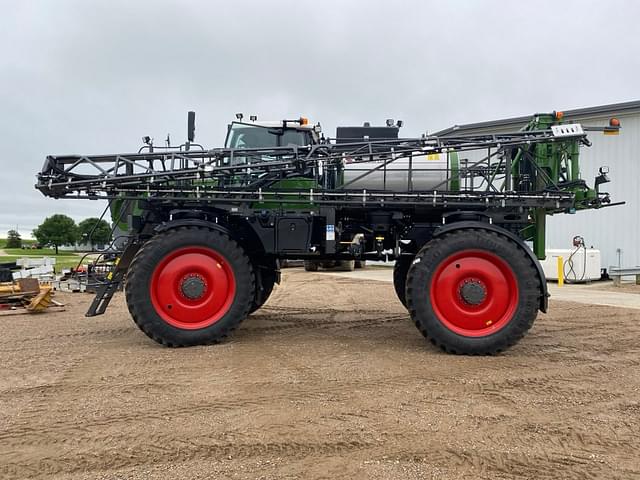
pixel 611 228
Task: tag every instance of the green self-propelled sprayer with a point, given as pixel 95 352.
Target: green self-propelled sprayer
pixel 205 230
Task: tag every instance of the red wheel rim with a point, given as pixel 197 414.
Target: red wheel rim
pixel 192 287
pixel 474 293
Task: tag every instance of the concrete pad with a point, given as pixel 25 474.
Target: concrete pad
pixel 591 295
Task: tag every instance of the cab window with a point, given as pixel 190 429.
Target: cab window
pixel 293 137
pixel 248 136
pixel 254 136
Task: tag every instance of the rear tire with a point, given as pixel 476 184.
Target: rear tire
pixel 400 270
pixel 473 292
pixel 267 281
pixel 189 286
pixel 310 266
pixel 347 265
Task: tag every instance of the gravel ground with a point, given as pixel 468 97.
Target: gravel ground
pixel 329 380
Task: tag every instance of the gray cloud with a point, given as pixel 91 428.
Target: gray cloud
pixel 93 76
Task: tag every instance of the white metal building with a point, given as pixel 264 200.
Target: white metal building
pixel 615 230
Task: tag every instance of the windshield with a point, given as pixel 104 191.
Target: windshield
pixel 254 136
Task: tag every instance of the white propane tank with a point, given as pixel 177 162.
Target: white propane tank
pixel 578 269
pixel 429 172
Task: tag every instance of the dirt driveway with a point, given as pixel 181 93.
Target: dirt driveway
pixel 328 380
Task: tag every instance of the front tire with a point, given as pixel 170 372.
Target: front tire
pixel 189 286
pixel 473 292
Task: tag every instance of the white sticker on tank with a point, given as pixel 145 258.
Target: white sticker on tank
pixel 331 233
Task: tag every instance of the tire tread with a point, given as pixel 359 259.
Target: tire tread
pixel 135 298
pixel 529 296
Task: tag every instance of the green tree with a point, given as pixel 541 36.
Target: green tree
pixel 57 230
pixel 13 239
pixel 94 231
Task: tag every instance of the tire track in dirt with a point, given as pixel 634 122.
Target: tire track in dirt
pixel 547 382
pixel 18 434
pixel 330 323
pixel 542 385
pixel 618 439
pixel 26 433
pixel 319 310
pixel 162 449
pixel 542 464
pixel 55 388
pixel 554 460
pixel 83 335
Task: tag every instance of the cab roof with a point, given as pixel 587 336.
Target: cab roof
pixel 292 124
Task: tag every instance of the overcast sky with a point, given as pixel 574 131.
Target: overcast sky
pixel 94 76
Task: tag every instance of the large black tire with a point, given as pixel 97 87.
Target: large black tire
pixel 189 286
pixel 347 265
pixel 400 270
pixel 473 292
pixel 310 266
pixel 264 290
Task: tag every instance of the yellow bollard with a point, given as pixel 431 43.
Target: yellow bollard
pixel 560 271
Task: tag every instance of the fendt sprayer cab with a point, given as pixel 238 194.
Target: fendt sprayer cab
pixel 208 228
pixel 258 134
pixel 240 135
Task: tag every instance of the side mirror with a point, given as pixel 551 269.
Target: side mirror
pixel 191 126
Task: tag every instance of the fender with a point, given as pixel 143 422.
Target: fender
pixel 544 300
pixel 196 222
pixel 190 222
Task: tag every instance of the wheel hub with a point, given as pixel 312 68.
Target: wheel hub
pixel 193 286
pixel 473 292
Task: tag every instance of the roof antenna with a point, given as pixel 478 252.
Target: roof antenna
pixel 191 128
